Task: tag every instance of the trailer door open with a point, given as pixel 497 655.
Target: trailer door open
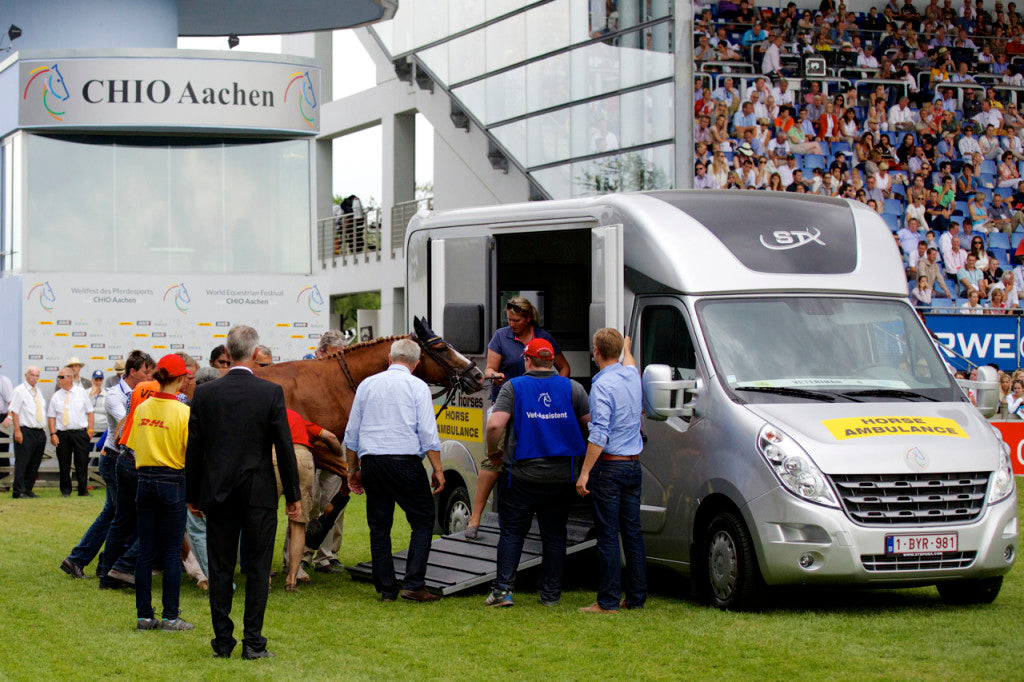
pixel 606 296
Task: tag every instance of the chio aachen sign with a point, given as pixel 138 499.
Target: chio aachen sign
pixel 134 93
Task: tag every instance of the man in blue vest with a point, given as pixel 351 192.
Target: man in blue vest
pixel 545 414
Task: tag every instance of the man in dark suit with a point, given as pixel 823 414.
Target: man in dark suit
pixel 230 478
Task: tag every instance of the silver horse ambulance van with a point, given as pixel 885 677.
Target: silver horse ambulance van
pixel 801 426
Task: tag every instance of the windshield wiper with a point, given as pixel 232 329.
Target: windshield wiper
pixel 787 391
pixel 890 393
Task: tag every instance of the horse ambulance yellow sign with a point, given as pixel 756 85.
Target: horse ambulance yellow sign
pixel 461 423
pixel 865 427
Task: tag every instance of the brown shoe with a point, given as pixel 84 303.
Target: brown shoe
pixel 596 608
pixel 421 594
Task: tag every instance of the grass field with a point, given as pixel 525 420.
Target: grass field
pixel 54 627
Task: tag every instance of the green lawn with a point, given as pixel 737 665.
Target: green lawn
pixel 53 626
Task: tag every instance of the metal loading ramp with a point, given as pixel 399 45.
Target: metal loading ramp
pixel 458 564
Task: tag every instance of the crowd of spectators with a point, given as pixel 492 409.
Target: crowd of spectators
pixel 912 111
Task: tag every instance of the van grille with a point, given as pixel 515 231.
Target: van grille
pixel 912 499
pixel 875 563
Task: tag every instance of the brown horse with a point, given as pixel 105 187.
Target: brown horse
pixel 322 390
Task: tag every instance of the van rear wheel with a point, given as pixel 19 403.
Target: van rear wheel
pixel 980 591
pixel 730 577
pixel 456 512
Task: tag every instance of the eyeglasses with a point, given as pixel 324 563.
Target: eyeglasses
pixel 63 376
pixel 264 364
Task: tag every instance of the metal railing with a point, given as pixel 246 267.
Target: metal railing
pixel 401 214
pixel 349 238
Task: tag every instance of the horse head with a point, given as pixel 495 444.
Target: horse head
pixel 57 85
pixel 442 364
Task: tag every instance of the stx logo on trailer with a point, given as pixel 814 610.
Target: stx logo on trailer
pixel 782 240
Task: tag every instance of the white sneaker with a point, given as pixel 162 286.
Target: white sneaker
pixel 302 576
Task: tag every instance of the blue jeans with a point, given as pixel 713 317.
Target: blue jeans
pixel 161 505
pixel 196 529
pixel 122 545
pixel 615 494
pixel 517 503
pixel 94 538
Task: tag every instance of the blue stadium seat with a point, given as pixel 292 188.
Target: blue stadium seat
pixel 838 147
pixel 812 161
pixel 987 180
pixel 893 207
pixel 988 166
pixel 1004 192
pixel 1015 238
pixel 943 302
pixel 998 240
pixel 988 194
pixel 1003 256
pixel 893 221
pixel 960 208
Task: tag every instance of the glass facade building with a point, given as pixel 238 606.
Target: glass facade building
pixel 578 93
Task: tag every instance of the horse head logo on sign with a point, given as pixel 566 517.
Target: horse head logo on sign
pixel 46 296
pixel 181 296
pixel 314 299
pixel 55 90
pixel 307 102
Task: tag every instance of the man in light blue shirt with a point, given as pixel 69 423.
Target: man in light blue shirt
pixel 612 472
pixel 390 428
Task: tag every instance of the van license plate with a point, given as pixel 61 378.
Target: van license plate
pixel 932 543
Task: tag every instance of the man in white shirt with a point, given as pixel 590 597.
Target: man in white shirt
pixel 946 239
pixel 70 421
pixel 957 258
pixel 1007 285
pixel 786 171
pixel 778 147
pixel 772 62
pixel 782 94
pixel 901 117
pixel 760 110
pixel 989 116
pixel 867 59
pixel 28 414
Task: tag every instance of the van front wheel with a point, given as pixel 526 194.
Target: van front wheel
pixel 979 591
pixel 730 577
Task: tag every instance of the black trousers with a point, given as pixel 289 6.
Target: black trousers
pixel 73 443
pixel 256 526
pixel 27 456
pixel 401 479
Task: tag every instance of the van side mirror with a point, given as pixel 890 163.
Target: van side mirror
pixel 986 390
pixel 666 397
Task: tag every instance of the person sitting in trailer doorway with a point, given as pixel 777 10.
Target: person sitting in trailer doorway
pixel 505 361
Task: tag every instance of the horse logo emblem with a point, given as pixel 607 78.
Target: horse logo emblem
pixel 544 399
pixel 314 299
pixel 46 295
pixel 307 102
pixel 55 90
pixel 181 296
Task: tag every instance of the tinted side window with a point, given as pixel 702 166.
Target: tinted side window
pixel 666 341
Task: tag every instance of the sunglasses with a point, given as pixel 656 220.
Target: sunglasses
pixel 516 308
pixel 264 364
pixel 63 376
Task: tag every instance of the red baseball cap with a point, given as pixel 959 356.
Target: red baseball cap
pixel 539 348
pixel 174 365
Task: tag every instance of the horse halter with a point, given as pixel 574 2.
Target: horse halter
pixel 455 375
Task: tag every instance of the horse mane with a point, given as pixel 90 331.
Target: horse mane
pixel 366 344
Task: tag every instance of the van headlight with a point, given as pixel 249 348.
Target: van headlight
pixel 794 467
pixel 1002 478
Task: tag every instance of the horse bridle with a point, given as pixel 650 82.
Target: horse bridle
pixel 454 374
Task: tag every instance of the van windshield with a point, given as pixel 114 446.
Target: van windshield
pixel 787 349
